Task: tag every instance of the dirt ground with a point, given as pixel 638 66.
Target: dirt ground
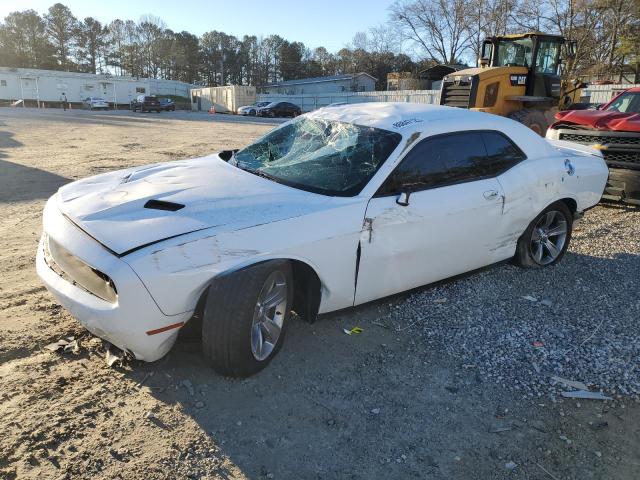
pixel 381 404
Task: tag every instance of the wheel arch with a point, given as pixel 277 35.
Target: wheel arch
pixel 571 204
pixel 308 286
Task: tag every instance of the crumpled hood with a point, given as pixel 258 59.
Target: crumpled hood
pixel 602 119
pixel 110 207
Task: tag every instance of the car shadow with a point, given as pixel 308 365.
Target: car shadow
pixel 7 141
pixel 19 183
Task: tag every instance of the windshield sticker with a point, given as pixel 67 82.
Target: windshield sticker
pixel 409 121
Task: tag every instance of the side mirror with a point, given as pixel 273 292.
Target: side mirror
pixel 403 199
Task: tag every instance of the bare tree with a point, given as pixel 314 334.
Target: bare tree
pixel 439 27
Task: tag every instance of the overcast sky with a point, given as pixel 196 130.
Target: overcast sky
pixel 330 23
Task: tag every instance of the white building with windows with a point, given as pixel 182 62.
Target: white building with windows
pixel 45 87
pixel 350 82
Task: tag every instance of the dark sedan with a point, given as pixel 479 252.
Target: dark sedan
pixel 167 105
pixel 279 109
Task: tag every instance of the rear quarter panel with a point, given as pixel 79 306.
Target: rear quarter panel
pixel 536 183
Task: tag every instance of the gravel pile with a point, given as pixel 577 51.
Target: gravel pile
pixel 579 320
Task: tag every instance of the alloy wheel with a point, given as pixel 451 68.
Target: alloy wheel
pixel 548 237
pixel 268 316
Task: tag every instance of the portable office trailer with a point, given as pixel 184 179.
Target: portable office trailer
pixel 225 99
pixel 45 87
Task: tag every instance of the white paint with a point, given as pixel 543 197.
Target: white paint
pixel 233 219
pixel 441 233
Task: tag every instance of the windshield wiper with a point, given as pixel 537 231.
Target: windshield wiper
pixel 258 173
pixel 262 174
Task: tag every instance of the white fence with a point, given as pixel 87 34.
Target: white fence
pixel 602 93
pixel 308 102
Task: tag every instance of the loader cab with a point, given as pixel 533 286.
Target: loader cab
pixel 539 53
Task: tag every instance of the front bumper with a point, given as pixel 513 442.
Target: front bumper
pixel 133 322
pixel 623 185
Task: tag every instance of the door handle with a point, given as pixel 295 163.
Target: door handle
pixel 490 194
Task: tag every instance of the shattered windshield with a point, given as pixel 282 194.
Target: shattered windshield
pixel 327 157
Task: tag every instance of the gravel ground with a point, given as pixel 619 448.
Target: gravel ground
pixel 520 328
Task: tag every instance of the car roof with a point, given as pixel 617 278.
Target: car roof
pixel 426 120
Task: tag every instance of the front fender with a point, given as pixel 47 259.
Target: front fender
pixel 178 270
pixel 177 275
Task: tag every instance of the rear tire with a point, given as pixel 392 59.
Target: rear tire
pixel 546 239
pixel 532 118
pixel 241 330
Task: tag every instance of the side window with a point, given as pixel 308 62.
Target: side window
pixel 437 162
pixel 502 154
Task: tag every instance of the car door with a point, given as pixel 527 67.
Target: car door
pixel 448 224
pixel 517 178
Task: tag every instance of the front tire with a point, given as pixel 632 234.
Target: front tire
pixel 546 239
pixel 534 119
pixel 245 318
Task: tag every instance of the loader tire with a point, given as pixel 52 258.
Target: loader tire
pixel 532 118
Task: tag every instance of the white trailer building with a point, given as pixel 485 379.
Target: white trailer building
pixel 45 87
pixel 226 99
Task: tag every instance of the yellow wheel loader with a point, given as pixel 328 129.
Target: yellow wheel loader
pixel 518 77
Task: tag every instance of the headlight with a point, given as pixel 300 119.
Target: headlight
pixel 75 271
pixel 552 134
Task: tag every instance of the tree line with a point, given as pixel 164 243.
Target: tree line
pixel 147 48
pixel 419 33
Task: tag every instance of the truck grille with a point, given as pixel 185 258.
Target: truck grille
pixel 587 139
pixel 624 157
pixel 622 149
pixel 456 94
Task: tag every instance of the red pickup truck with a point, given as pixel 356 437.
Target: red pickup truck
pixel 615 130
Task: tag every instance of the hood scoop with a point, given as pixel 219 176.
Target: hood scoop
pixel 163 205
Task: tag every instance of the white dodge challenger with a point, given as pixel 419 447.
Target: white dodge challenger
pixel 333 209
